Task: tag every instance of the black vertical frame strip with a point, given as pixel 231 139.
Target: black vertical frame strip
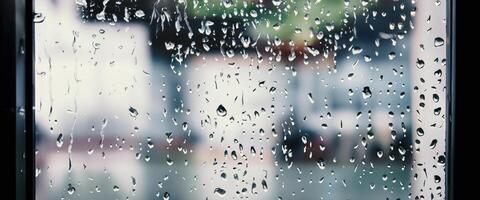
pixel 19 52
pixel 16 103
pixel 7 86
pixel 450 120
pixel 29 99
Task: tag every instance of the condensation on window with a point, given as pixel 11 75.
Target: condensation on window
pixel 240 99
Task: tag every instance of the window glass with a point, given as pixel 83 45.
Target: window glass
pixel 240 99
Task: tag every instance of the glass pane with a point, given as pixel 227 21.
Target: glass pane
pixel 240 99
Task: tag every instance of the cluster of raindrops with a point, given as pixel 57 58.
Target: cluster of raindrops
pixel 268 99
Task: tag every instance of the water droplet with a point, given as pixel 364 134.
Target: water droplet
pixel 310 98
pixel 298 30
pixel 60 140
pixel 330 27
pixel 437 178
pixel 169 137
pixel 70 189
pixel 277 2
pixel 38 171
pixel 133 112
pixel 364 2
pixel 370 135
pixel 438 42
pixel 81 3
pixel 321 164
pixel 320 35
pixel 420 63
pixel 38 17
pixel 169 161
pixel 437 111
pixel 253 13
pixel 264 185
pixel 169 45
pixel 324 126
pixel 150 144
pixel 116 188
pixel 223 175
pixel 441 160
pixel 356 50
pixel 221 111
pixel 139 13
pixel 367 58
pixel 227 3
pixel 420 132
pixel 392 55
pixel 436 98
pixel 379 154
pixel 166 196
pixel 253 151
pixel 220 192
pixel 100 16
pixel 272 90
pixel 184 126
pixel 366 92
pixel 433 144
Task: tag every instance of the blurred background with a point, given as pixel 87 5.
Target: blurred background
pixel 328 99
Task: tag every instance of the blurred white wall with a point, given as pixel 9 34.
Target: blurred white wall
pixel 429 23
pixel 85 73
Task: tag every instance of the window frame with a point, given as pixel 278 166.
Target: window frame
pixel 18 81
